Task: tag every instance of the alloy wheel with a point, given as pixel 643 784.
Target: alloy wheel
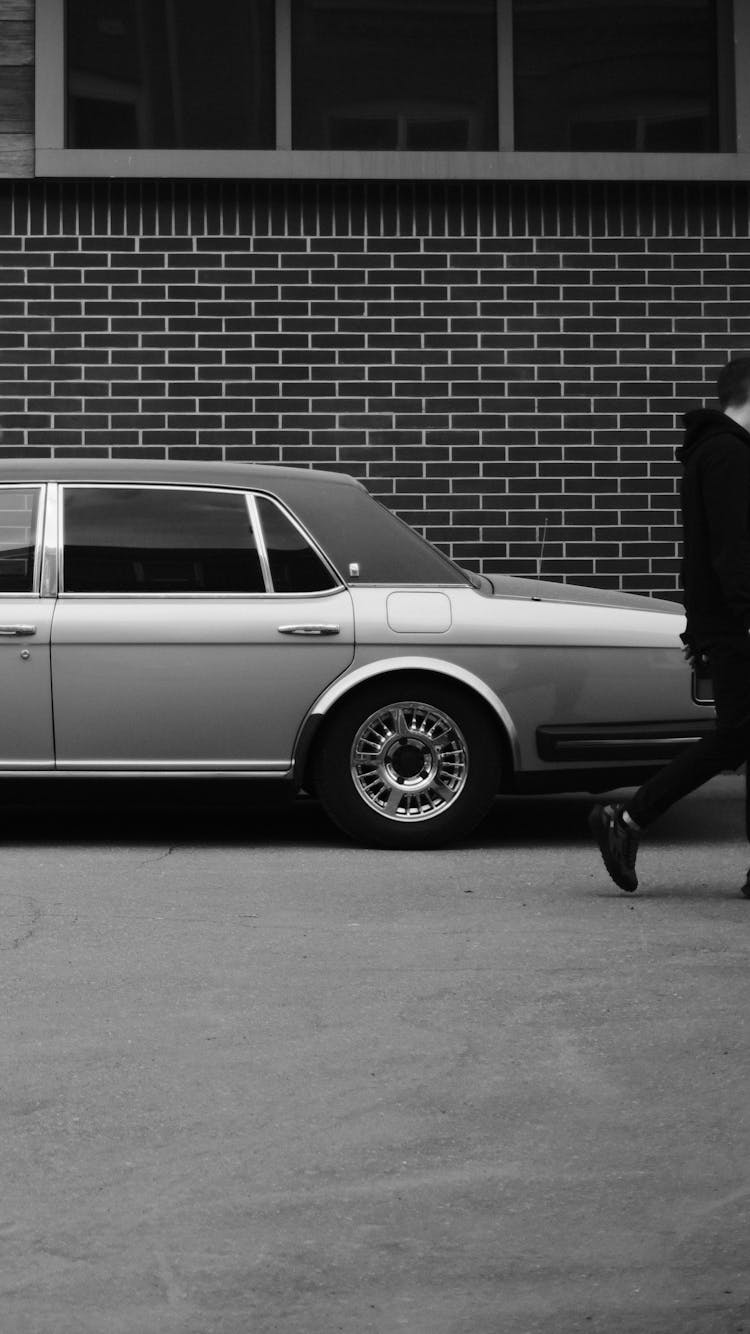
pixel 409 761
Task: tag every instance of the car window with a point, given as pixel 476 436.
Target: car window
pixel 19 516
pixel 295 566
pixel 158 540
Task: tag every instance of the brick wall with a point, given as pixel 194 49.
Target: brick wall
pixel 491 360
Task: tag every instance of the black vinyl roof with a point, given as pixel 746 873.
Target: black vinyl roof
pixel 175 473
pixel 344 519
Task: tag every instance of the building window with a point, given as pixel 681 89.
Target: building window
pixel 170 74
pixel 616 75
pixel 410 89
pixel 384 74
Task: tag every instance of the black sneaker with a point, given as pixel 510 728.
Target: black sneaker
pixel 618 844
pixel 745 890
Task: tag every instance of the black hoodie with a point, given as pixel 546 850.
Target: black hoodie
pixel 716 526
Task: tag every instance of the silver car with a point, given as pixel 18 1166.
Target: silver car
pixel 194 620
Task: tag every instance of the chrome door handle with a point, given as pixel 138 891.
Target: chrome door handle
pixel 11 630
pixel 309 630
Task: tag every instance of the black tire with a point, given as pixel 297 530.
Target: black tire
pixel 408 763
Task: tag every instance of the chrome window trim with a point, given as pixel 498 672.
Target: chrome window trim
pixel 50 557
pixel 190 597
pixel 142 486
pixel 307 537
pixel 260 539
pixel 419 586
pixel 39 487
pixel 39 533
pixel 256 528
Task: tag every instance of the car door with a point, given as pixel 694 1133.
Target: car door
pixel 26 739
pixel 171 647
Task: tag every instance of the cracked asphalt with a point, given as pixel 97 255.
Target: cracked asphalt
pixel 258 1081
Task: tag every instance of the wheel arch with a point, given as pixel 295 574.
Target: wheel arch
pixel 447 673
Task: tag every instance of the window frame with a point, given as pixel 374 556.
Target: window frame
pixel 731 162
pixel 338 583
pixel 202 595
pixel 57 538
pixel 39 487
pixel 725 72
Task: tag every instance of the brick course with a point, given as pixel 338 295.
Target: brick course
pixel 498 362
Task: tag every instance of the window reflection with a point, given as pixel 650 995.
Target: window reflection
pixel 170 74
pixel 615 75
pixel 18 523
pixel 394 74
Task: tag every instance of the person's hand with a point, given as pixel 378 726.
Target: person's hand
pixel 695 657
pixel 689 651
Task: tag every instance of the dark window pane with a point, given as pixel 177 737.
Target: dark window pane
pixel 394 74
pixel 170 74
pixel 615 75
pixel 295 567
pixel 19 510
pixel 139 540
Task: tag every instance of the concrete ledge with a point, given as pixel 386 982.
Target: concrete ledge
pixel 16 156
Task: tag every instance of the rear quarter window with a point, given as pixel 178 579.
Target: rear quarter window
pixel 295 567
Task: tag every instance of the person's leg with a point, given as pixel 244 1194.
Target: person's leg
pixel 616 826
pixel 745 888
pixel 699 761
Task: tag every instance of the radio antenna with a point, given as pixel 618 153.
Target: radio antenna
pixel 540 557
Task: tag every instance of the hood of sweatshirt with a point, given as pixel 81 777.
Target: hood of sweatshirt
pixel 703 423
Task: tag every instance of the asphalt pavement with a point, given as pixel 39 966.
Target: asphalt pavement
pixel 258 1081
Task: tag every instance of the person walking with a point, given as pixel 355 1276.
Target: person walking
pixel 715 497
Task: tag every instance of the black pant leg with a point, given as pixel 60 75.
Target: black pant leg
pixel 689 770
pixel 727 748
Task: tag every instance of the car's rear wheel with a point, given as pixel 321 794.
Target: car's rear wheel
pixel 410 764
